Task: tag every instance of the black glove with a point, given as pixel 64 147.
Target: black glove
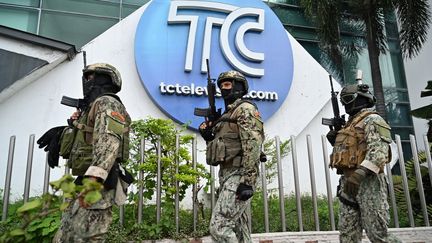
pixel 353 181
pixel 331 136
pixel 206 133
pixel 50 142
pixel 244 192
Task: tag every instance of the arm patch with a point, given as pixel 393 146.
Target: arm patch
pixel 115 123
pixel 384 130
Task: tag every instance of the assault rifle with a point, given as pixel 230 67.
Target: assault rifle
pixel 337 121
pixel 80 104
pixel 210 113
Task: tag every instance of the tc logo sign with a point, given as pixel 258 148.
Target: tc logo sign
pixel 234 13
pixel 174 38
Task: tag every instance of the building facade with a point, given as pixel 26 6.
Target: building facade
pixel 78 22
pixel 111 40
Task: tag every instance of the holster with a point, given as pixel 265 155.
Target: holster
pixel 115 173
pixel 112 178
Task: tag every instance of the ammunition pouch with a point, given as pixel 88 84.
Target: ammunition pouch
pixel 81 156
pixel 349 151
pixel 83 160
pixel 350 146
pixel 215 154
pixel 66 141
pixel 225 149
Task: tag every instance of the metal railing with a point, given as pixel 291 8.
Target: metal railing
pixel 281 192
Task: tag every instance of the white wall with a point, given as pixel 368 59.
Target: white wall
pixel 418 71
pixel 36 107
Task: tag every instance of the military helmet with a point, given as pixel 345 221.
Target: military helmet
pixel 233 75
pixel 105 68
pixel 350 93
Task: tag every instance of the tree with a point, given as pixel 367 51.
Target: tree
pixel 369 15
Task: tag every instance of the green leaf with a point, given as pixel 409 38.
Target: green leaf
pixel 63 206
pixel 46 231
pixel 29 206
pixel 68 187
pixel 56 184
pixel 68 195
pixel 17 232
pixel 92 197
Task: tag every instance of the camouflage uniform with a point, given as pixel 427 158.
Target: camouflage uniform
pixel 229 222
pixel 91 224
pixel 369 209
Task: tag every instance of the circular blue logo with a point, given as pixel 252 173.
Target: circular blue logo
pixel 174 39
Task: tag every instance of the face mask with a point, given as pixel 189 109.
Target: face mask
pixel 350 110
pixel 356 105
pixel 225 93
pixel 95 85
pixel 87 84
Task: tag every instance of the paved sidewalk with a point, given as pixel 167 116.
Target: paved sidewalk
pixel 408 235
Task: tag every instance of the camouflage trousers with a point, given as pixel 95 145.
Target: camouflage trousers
pixel 372 213
pixel 86 224
pixel 229 221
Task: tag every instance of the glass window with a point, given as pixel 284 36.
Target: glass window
pixel 296 2
pixel 102 8
pixel 364 65
pixel 14 66
pixel 402 132
pixel 291 15
pixel 396 95
pixel 126 10
pixel 387 72
pixel 21 19
pixel 391 68
pixel 136 2
pixel 63 27
pixel 312 48
pixel 391 29
pixel 398 114
pixel 30 3
pixel 403 95
pixel 398 70
pixel 302 33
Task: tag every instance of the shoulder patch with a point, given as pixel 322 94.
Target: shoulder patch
pixel 257 114
pixel 115 122
pixel 383 129
pixel 117 115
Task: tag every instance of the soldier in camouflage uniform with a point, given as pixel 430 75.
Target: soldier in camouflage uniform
pixel 360 152
pixel 95 142
pixel 234 143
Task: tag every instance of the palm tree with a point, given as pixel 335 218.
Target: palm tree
pixel 369 15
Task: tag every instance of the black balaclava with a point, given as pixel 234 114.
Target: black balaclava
pixel 231 95
pixel 359 103
pixel 99 85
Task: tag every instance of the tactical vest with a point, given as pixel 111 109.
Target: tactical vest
pixel 350 146
pixel 76 142
pixel 226 148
